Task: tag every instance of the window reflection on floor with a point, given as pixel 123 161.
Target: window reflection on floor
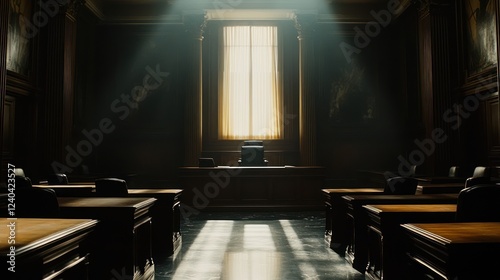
pixel 203 259
pixel 260 246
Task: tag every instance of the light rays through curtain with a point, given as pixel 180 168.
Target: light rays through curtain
pixel 250 102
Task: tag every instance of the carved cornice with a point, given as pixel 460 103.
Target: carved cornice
pixel 305 24
pixel 74 6
pixel 195 25
pixel 70 8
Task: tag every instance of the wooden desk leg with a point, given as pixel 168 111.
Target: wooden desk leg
pixel 339 227
pixel 143 264
pixel 176 227
pixel 360 242
pixel 375 240
pixel 328 223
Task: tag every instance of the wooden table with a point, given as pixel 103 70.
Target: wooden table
pixel 436 188
pixel 253 187
pixel 46 248
pixel 335 214
pixel 356 251
pixel 165 214
pixel 385 242
pixel 124 234
pixel 455 250
pixel 166 219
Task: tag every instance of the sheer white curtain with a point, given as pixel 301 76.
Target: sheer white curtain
pixel 250 100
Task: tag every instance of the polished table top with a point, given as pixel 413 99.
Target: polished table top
pixel 92 186
pixel 433 188
pixel 354 190
pixel 405 199
pixel 105 202
pixel 457 233
pixel 32 233
pixel 410 208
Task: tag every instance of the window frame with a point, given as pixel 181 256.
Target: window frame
pixel 212 81
pixel 279 75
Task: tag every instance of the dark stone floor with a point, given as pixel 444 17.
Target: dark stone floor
pixel 255 246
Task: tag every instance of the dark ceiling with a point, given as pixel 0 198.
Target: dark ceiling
pixel 141 11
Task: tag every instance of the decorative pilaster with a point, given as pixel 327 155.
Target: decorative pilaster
pixel 194 26
pixel 436 45
pixel 4 17
pixel 59 82
pixel 307 111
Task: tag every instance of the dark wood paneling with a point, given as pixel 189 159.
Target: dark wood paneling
pixel 252 187
pixel 148 134
pixel 478 117
pixel 492 121
pixel 8 117
pixel 436 30
pixel 4 11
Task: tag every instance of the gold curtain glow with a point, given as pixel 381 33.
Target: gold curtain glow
pixel 250 100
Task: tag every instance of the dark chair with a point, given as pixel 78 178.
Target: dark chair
pixel 252 153
pixel 57 179
pixel 23 182
pixel 473 181
pixel 111 187
pixel 19 172
pixel 479 203
pixel 36 203
pixel 481 175
pixel 413 171
pixel 401 185
pixel 454 172
pixel 481 171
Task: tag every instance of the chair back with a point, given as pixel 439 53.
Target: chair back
pixel 57 179
pixel 412 171
pixel 401 185
pixel 111 187
pixel 472 181
pixel 481 171
pixel 19 172
pixel 454 172
pixel 36 203
pixel 479 203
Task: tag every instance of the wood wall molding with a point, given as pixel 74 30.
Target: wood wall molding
pixel 4 17
pixel 58 100
pixel 195 25
pixel 305 25
pixel 436 23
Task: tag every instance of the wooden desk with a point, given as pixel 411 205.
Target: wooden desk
pixel 166 219
pixel 455 250
pixel 294 187
pixel 336 218
pixel 46 248
pixel 124 234
pixel 385 244
pixel 437 188
pixel 165 214
pixel 356 251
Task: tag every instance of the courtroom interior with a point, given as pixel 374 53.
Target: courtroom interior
pixel 249 139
